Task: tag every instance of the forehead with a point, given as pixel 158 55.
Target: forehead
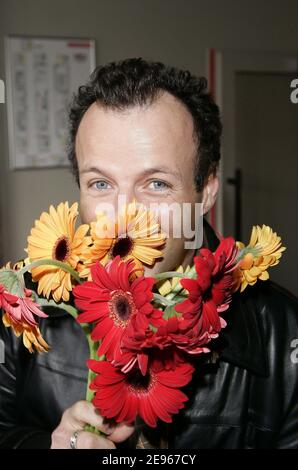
pixel 161 130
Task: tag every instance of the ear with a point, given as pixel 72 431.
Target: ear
pixel 210 192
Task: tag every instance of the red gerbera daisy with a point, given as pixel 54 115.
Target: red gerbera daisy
pixel 169 337
pixel 211 292
pixel 154 396
pixel 137 342
pixel 19 313
pixel 6 299
pixel 112 300
pixel 173 336
pixel 20 309
pixel 185 336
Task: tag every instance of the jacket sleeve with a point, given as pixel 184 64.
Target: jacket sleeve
pixel 288 434
pixel 14 434
pixel 287 355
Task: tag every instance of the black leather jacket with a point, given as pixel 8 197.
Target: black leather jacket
pixel 247 399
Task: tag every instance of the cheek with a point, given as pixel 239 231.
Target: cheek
pixel 177 217
pixel 173 253
pixel 166 220
pixel 87 210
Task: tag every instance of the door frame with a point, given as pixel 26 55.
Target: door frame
pixel 223 65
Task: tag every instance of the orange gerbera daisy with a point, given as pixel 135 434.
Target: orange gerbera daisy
pixel 135 235
pixel 263 251
pixel 31 334
pixel 54 237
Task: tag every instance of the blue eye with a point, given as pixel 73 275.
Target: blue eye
pixel 159 185
pixel 101 185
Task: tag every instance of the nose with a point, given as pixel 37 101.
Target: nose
pixel 126 194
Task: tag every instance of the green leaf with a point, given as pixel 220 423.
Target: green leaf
pixel 13 283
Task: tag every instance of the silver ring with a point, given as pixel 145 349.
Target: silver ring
pixel 74 439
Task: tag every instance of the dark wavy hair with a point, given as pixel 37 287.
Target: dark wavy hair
pixel 131 82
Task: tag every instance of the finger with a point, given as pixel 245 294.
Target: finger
pixel 122 432
pixel 82 413
pixel 88 440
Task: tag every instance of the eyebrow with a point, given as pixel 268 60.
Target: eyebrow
pixel 147 172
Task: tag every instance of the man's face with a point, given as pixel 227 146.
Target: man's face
pixel 145 153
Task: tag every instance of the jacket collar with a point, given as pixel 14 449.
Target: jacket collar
pixel 242 342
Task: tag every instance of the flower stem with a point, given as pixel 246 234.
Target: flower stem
pixel 248 249
pixel 167 275
pixel 162 300
pixel 51 303
pixel 172 274
pixel 51 262
pixel 93 347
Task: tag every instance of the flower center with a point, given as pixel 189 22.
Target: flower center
pixel 122 307
pixel 61 249
pixel 122 247
pixel 141 384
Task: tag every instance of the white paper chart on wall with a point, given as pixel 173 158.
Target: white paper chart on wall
pixel 42 74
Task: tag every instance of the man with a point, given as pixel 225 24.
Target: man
pixel 152 133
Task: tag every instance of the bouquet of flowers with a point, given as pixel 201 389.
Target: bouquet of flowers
pixel 144 333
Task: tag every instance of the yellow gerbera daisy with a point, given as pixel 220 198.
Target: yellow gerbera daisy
pixel 54 237
pixel 16 267
pixel 264 250
pixel 135 235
